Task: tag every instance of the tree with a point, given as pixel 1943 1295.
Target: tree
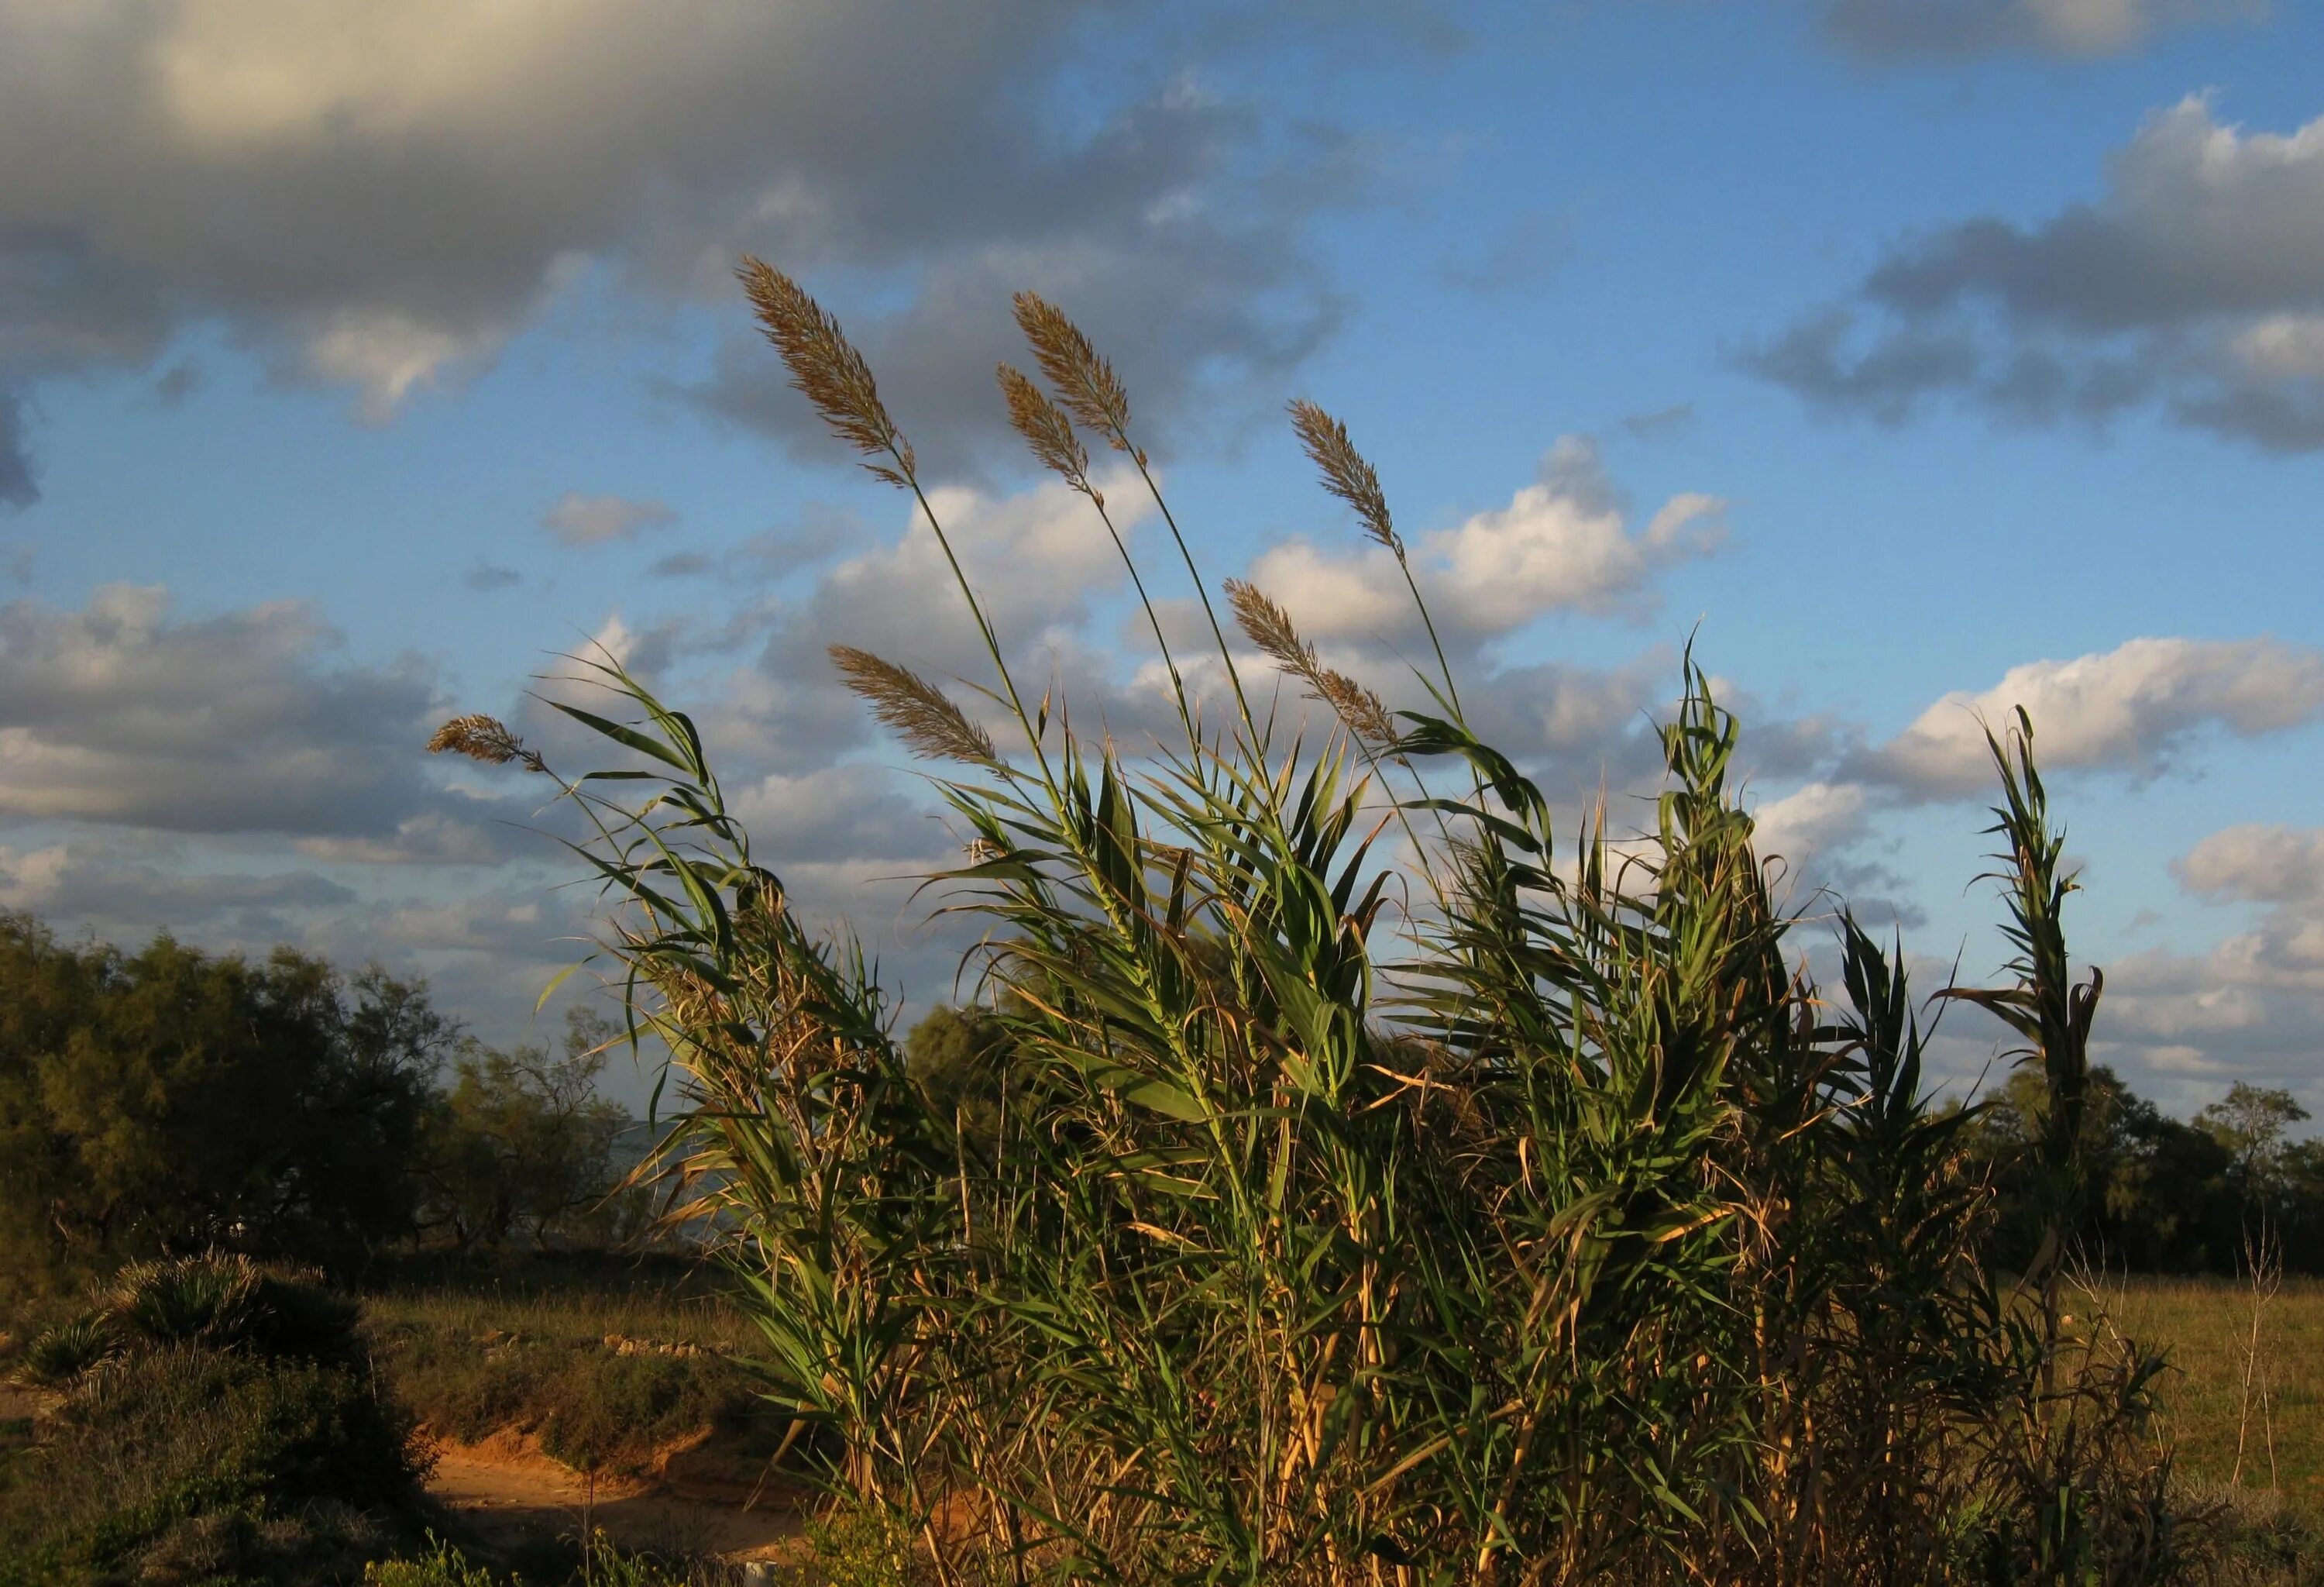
pixel 522 1143
pixel 171 1100
pixel 2251 1123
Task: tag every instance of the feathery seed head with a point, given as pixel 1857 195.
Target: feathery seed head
pixel 483 738
pixel 1346 474
pixel 1268 626
pixel 825 366
pixel 1047 430
pixel 923 715
pixel 1086 383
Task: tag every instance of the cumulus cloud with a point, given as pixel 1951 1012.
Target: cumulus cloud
pixel 2132 708
pixel 244 722
pixel 576 520
pixel 1891 30
pixel 2269 865
pixel 2250 1008
pixel 71 881
pixel 379 200
pixel 1562 543
pixel 2194 287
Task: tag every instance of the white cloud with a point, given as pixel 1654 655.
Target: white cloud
pixel 2270 864
pixel 2132 708
pixel 1561 544
pixel 1811 821
pixel 576 520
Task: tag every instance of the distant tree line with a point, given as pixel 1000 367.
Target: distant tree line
pixel 169 1100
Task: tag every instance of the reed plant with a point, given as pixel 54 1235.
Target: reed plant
pixel 1393 1178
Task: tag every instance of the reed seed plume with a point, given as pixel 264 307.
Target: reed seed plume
pixel 919 712
pixel 1268 626
pixel 483 738
pixel 1346 474
pixel 825 366
pixel 1086 383
pixel 1047 430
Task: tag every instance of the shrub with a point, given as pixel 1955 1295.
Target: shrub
pixel 184 1455
pixel 59 1356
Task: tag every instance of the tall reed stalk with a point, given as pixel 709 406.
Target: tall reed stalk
pixel 1559 1231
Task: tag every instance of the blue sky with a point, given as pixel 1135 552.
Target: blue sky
pixel 1969 354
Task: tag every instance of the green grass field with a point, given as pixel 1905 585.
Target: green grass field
pixel 2206 1326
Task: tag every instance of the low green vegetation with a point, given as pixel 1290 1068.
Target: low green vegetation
pixel 224 1427
pixel 605 1360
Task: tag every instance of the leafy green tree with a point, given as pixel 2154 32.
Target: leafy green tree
pixel 2252 1124
pixel 958 1058
pixel 170 1100
pixel 521 1145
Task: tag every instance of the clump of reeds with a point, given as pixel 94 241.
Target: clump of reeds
pixel 1567 1233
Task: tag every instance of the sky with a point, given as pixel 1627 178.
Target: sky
pixel 1913 359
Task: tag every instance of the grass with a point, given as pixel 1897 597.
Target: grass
pixel 2203 1326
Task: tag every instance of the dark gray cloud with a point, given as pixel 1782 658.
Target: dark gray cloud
pixel 378 201
pixel 1524 253
pixel 68 881
pixel 576 520
pixel 18 488
pixel 242 722
pixel 2194 287
pixel 487 576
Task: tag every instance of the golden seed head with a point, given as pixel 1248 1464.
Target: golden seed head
pixel 930 725
pixel 1045 429
pixel 481 738
pixel 1086 383
pixel 825 366
pixel 1346 474
pixel 1267 626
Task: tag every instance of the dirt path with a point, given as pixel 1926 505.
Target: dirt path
pixel 507 1488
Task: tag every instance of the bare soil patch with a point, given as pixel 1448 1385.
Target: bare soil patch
pixel 700 1499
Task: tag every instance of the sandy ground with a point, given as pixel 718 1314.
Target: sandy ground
pixel 505 1487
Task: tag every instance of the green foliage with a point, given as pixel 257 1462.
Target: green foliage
pixel 167 1100
pixel 522 1143
pixel 1499 1201
pixel 193 1464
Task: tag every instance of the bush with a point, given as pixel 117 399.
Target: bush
pixel 211 1466
pixel 58 1356
pixel 220 1425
